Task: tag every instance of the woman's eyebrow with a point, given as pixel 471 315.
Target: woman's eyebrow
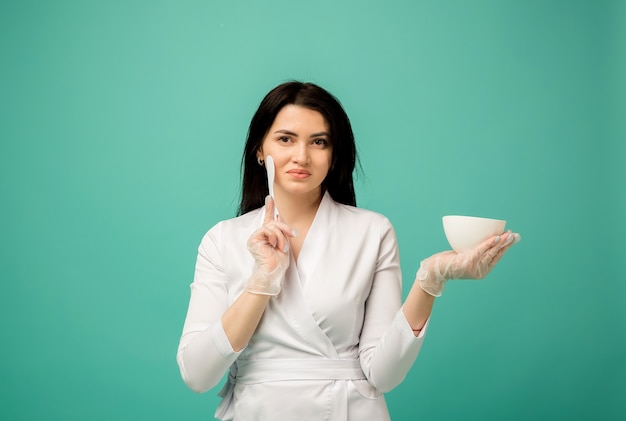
pixel 283 131
pixel 289 132
pixel 319 134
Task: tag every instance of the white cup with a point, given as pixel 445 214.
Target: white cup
pixel 466 232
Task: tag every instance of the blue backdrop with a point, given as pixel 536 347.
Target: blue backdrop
pixel 122 125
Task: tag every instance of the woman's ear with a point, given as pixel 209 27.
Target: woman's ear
pixel 259 157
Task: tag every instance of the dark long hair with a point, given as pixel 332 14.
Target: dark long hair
pixel 339 182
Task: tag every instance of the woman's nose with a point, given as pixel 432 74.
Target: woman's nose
pixel 301 154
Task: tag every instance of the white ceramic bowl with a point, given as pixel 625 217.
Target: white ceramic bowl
pixel 466 232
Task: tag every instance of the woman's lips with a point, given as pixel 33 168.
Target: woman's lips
pixel 299 173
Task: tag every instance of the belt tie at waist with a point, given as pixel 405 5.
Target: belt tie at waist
pixel 261 371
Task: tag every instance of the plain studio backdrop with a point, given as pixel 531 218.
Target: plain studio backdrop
pixel 122 125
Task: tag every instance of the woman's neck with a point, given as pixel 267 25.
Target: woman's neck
pixel 298 210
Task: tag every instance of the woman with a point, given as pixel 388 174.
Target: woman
pixel 305 309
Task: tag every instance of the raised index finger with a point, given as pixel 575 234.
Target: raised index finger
pixel 269 210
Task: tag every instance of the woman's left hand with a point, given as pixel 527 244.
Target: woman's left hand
pixel 473 264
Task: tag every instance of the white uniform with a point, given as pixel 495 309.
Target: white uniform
pixel 327 346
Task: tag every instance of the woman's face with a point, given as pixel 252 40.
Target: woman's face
pixel 299 143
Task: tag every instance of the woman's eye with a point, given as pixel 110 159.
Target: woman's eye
pixel 283 139
pixel 320 142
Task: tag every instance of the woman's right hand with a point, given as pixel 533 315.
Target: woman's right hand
pixel 269 245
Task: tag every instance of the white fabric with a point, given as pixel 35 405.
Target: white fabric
pixel 342 301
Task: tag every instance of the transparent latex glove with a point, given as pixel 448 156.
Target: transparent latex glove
pixel 269 245
pixel 473 264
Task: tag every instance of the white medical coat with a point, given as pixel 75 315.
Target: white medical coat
pixel 327 346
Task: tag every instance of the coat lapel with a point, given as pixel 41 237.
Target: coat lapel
pixel 316 240
pixel 292 300
pixel 292 297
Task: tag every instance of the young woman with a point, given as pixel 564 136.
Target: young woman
pixel 304 310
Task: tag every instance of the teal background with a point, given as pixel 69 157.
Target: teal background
pixel 122 125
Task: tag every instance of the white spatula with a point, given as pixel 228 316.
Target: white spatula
pixel 269 166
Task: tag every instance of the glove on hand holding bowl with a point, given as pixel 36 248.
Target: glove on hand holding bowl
pixel 466 262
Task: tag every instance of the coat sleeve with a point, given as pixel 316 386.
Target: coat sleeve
pixel 387 346
pixel 204 352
